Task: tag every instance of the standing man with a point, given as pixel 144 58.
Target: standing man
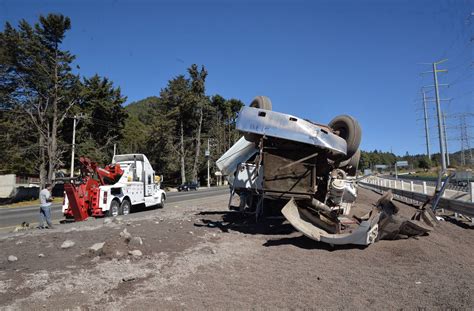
pixel 45 207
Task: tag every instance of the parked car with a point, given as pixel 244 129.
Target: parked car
pixel 189 185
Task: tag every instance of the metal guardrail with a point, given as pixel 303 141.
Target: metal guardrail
pixel 450 186
pixel 457 206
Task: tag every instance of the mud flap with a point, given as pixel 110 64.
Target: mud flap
pixel 365 234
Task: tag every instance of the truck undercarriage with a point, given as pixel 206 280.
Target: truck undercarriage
pixel 304 170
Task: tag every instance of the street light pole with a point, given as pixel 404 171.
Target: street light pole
pixel 73 145
pixel 76 120
pixel 208 171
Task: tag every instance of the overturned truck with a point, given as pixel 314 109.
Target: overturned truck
pixel 306 171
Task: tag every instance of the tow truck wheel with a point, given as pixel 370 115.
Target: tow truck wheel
pixel 162 202
pixel 114 209
pixel 125 207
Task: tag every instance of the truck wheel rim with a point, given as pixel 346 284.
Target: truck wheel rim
pixel 126 208
pixel 114 210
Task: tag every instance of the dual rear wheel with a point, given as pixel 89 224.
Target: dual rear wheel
pixel 117 208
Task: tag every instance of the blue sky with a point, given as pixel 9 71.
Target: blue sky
pixel 314 59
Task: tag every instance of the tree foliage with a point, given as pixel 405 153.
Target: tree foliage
pixel 40 93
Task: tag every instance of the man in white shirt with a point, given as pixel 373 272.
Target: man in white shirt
pixel 45 207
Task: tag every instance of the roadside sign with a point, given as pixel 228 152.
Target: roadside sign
pixel 402 163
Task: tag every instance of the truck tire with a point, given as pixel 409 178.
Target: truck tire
pixel 349 129
pixel 114 209
pixel 350 166
pixel 162 202
pixel 125 207
pixel 261 102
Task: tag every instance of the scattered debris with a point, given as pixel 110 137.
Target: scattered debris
pixel 135 253
pixel 118 220
pixel 12 258
pixel 41 255
pixel 22 227
pixel 393 226
pixel 107 220
pixel 129 279
pixel 67 244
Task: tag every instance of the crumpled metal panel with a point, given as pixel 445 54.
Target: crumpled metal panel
pixel 285 126
pixel 240 152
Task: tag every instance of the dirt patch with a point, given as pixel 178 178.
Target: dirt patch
pixel 198 255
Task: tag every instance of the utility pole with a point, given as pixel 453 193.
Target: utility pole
pixel 445 139
pixel 427 134
pixel 76 119
pixel 438 111
pixel 208 154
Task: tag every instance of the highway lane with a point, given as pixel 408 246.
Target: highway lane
pixel 16 215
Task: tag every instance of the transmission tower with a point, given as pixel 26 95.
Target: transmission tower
pixel 465 145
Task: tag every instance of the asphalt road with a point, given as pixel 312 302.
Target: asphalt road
pixel 11 217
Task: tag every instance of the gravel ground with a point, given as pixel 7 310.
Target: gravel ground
pixel 198 255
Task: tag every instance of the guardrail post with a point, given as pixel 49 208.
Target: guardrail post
pixel 471 191
pixel 402 184
pixel 425 191
pixel 412 189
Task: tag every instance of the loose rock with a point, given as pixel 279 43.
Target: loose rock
pixel 128 279
pixel 97 248
pixel 118 220
pixel 67 244
pixel 12 258
pixel 126 235
pixel 95 259
pixel 40 255
pixel 107 221
pixel 135 253
pixel 135 241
